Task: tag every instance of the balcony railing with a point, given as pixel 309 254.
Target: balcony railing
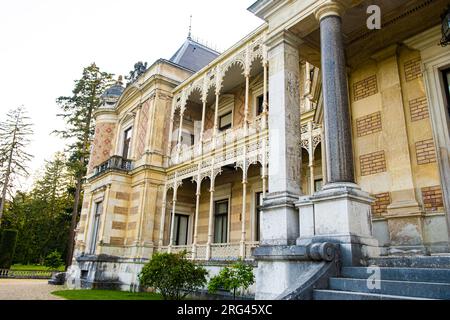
pixel 183 153
pixel 114 163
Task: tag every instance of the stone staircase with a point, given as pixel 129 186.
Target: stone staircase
pixel 401 278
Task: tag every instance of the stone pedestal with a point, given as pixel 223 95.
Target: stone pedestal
pixel 340 213
pixel 292 272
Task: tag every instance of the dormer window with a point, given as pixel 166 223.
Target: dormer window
pixel 126 149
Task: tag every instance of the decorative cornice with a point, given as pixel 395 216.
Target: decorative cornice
pixel 426 39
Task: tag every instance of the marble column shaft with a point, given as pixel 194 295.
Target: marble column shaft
pixel 336 103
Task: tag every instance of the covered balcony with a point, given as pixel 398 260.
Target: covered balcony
pixel 223 104
pixel 215 216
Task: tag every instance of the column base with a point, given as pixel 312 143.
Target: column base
pixel 340 213
pixel 279 219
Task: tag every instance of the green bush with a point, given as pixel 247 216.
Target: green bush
pixel 7 248
pixel 172 275
pixel 53 260
pixel 237 276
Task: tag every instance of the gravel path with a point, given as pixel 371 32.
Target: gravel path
pixel 16 289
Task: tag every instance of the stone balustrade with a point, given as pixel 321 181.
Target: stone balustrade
pixel 219 251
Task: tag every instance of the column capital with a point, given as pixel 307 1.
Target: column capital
pixel 283 36
pixel 331 8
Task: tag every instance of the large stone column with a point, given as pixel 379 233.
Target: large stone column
pixel 279 218
pixel 338 137
pixel 340 213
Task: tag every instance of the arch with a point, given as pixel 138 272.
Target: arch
pixel 231 74
pixel 194 92
pixel 256 65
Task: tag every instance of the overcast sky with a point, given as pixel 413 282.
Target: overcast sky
pixel 44 45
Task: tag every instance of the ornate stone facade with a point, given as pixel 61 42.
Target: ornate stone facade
pixel 267 124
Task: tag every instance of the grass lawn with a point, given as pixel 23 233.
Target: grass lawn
pixel 32 267
pixel 105 295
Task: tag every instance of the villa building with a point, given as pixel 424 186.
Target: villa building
pixel 313 129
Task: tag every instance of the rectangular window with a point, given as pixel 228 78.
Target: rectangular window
pixel 95 225
pixel 318 185
pixel 225 121
pixel 258 205
pixel 446 74
pixel 260 104
pixel 181 230
pixel 221 221
pixel 127 143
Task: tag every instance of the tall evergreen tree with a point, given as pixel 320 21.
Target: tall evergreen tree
pixel 42 216
pixel 15 134
pixel 50 196
pixel 78 110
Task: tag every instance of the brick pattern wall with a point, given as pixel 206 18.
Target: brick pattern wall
pixel 381 203
pixel 142 129
pixel 425 152
pixel 432 199
pixel 412 69
pixel 373 163
pixel 118 225
pixel 368 124
pixel 122 196
pixel 102 144
pixel 365 88
pixel 120 210
pixel 419 109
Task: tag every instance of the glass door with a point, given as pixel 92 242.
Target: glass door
pixel 96 222
pixel 221 222
pixel 181 229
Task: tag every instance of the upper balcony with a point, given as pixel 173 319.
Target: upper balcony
pixel 115 163
pixel 223 104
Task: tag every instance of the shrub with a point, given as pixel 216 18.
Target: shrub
pixel 7 248
pixel 237 276
pixel 172 275
pixel 53 260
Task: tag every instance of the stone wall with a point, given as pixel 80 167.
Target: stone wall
pixel 394 147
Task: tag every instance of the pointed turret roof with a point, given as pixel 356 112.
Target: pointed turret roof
pixel 193 55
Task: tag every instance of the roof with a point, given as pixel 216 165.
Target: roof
pixel 193 55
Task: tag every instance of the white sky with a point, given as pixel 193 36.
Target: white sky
pixel 44 45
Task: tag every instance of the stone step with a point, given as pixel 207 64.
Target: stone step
pixel 402 288
pixel 435 262
pixel 348 295
pixel 400 274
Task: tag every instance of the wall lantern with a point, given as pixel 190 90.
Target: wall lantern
pixel 445 27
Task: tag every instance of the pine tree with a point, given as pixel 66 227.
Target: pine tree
pixel 15 134
pixel 51 198
pixel 54 183
pixel 78 110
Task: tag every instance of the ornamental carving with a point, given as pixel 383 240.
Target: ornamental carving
pixel 293 85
